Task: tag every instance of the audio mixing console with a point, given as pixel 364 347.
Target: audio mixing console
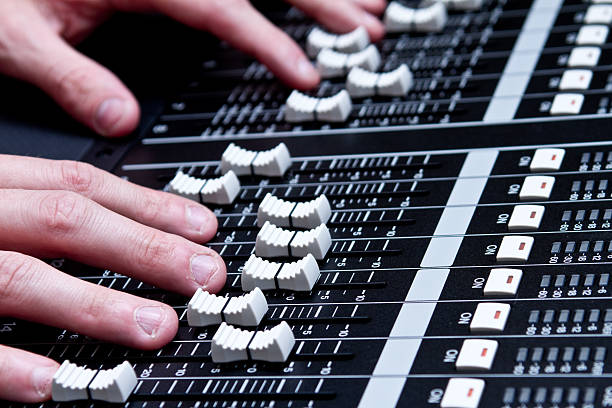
pixel 471 221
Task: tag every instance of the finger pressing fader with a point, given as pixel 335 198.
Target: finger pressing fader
pixel 275 242
pixel 288 214
pixel 354 41
pixel 271 163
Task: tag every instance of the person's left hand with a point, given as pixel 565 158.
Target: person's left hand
pixel 35 38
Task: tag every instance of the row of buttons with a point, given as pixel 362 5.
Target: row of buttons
pixel 592 34
pixel 567 355
pixel 564 316
pixel 589 280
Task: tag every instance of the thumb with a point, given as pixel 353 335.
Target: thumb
pixel 85 89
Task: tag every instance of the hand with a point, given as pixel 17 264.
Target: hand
pixel 68 209
pixel 35 37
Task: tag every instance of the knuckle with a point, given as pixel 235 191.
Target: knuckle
pixel 95 307
pixel 71 84
pixel 76 176
pixel 221 11
pixel 155 250
pixel 6 371
pixel 153 207
pixel 62 211
pixel 15 276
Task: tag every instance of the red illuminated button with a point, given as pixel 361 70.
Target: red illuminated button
pixel 576 79
pixel 547 159
pixel 514 248
pixel 476 355
pixel 536 188
pixel 592 35
pixel 566 104
pixel 462 393
pixel 526 218
pixel 598 14
pixel 490 318
pixel 503 282
pixel 584 57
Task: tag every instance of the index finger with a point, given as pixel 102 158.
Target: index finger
pixel 157 209
pixel 241 25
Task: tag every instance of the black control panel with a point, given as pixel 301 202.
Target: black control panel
pixel 471 226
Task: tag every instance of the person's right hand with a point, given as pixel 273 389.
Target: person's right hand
pixel 51 209
pixel 36 38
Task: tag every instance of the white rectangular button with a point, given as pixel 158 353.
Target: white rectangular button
pixel 567 104
pixel 536 188
pixel 462 393
pixel 576 79
pixel 503 282
pixel 584 57
pixel 547 160
pixel 526 217
pixel 490 318
pixel 598 14
pixel 592 35
pixel 476 355
pixel 514 248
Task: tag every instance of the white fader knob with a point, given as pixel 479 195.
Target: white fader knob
pixel 115 385
pixel 399 18
pixel 361 83
pixel 271 163
pixel 259 273
pixel 205 309
pixel 303 108
pixel 274 242
pixel 299 276
pixel 333 64
pixel 186 186
pixel 246 310
pixel 221 191
pixel 462 5
pixel 70 382
pixel 231 344
pixel 351 42
pixel 289 214
pixel 273 345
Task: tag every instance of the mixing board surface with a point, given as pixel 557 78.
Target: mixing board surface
pixel 471 224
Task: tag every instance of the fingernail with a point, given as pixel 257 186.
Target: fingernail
pixel 203 268
pixel 109 114
pixel 150 319
pixel 198 218
pixel 41 380
pixel 305 68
